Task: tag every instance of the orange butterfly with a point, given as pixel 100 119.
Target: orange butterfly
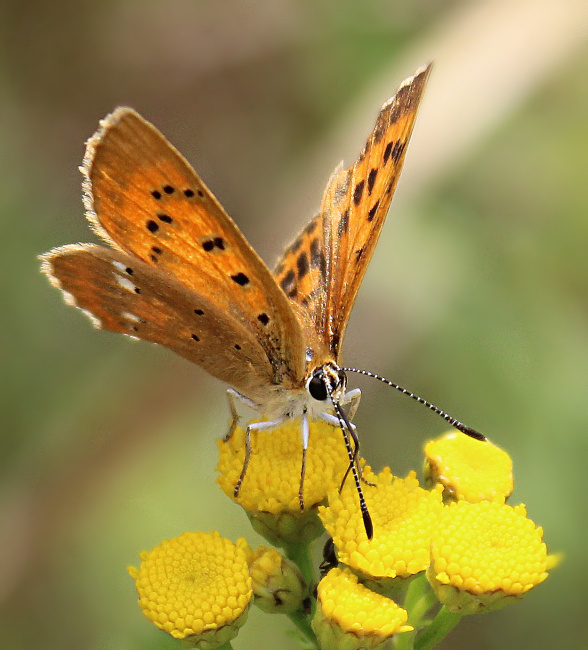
pixel 180 273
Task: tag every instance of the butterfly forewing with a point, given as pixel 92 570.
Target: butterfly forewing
pixel 353 210
pixel 300 272
pixel 145 199
pixel 123 294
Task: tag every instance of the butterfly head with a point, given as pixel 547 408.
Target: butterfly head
pixel 327 382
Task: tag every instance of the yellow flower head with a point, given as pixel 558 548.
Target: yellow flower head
pixel 269 492
pixel 278 585
pixel 483 555
pixel 196 587
pixel 469 470
pixel 403 515
pixel 350 616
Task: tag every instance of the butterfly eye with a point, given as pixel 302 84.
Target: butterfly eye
pixel 316 386
pixel 342 380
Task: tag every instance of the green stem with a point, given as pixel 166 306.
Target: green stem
pixel 302 622
pixel 416 590
pixel 225 646
pixel 418 601
pixel 300 555
pixel 439 628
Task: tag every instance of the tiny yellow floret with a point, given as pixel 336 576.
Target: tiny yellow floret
pixel 195 587
pixel 469 470
pixel 403 515
pixel 350 616
pixel 484 555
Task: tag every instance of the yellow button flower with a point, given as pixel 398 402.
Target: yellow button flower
pixel 350 616
pixel 468 469
pixel 196 587
pixel 269 492
pixel 403 515
pixel 484 555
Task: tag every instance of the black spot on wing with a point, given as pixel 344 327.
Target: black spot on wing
pixel 168 189
pixel 295 245
pixel 372 179
pixel 240 278
pixel 302 265
pixel 156 194
pixel 398 150
pixel 380 128
pixel 343 223
pixel 214 242
pixel 357 192
pixel 263 319
pixel 317 257
pixel 165 218
pixel 388 151
pixel 155 251
pixel 373 210
pixel 189 193
pixel 288 281
pixel 152 226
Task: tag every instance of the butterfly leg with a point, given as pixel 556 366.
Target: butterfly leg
pixel 235 417
pixel 352 398
pixel 253 426
pixel 333 420
pixel 305 436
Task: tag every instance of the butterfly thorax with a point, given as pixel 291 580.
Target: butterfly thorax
pixel 323 384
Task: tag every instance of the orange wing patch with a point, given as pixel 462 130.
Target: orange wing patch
pixel 344 234
pixel 300 273
pixel 122 294
pixel 355 206
pixel 144 198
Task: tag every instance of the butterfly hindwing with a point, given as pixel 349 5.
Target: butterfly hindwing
pixel 353 210
pixel 143 197
pixel 123 294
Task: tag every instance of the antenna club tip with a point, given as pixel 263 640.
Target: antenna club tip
pixel 473 433
pixel 367 523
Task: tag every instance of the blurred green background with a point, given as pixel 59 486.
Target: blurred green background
pixel 476 298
